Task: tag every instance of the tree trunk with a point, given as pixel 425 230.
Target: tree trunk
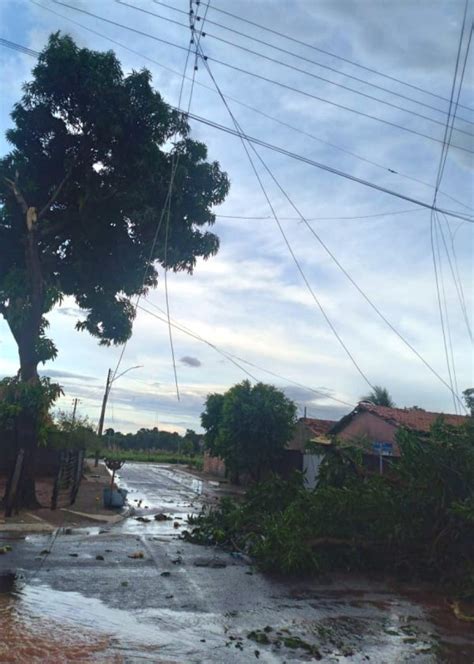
pixel 27 335
pixel 27 423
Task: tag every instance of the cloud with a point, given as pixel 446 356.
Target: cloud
pixel 190 361
pixel 54 373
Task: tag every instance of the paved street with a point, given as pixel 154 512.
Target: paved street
pixel 90 600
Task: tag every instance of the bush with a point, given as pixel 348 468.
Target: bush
pixel 417 521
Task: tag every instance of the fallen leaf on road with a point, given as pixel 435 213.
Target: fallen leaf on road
pixel 137 554
pixel 5 549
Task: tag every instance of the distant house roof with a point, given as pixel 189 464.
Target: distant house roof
pixel 318 427
pixel 410 418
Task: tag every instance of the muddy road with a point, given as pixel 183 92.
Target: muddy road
pixel 136 592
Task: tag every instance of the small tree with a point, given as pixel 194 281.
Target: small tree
pixel 248 427
pixel 469 399
pixel 379 396
pixel 81 197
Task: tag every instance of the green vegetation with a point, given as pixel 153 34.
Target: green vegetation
pixel 248 427
pixel 152 456
pixel 155 440
pixel 82 193
pixel 417 521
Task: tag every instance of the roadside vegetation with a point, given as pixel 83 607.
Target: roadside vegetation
pixel 248 427
pixel 152 456
pixel 415 522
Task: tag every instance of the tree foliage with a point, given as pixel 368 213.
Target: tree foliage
pixel 379 396
pixel 89 156
pixel 248 426
pixel 416 521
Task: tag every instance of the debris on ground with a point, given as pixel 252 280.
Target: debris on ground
pixel 136 555
pixel 165 574
pixel 45 552
pixel 161 517
pixel 144 519
pixel 214 563
pixel 99 557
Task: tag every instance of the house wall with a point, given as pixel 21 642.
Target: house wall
pixel 301 436
pixel 213 465
pixel 367 424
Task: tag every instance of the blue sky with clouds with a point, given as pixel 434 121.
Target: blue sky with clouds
pixel 250 300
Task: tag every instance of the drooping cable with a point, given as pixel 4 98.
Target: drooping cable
pixel 283 234
pixel 337 262
pixel 232 356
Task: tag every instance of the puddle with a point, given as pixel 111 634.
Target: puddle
pixel 42 625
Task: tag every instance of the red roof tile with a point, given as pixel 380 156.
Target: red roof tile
pixel 318 427
pixel 411 418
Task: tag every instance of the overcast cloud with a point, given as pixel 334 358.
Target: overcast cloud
pixel 250 300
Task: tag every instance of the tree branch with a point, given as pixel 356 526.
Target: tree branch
pixel 18 195
pixel 55 194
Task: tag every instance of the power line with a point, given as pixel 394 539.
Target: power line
pixel 332 256
pixel 434 220
pixel 333 55
pixel 261 77
pixel 301 57
pixel 311 162
pixel 327 168
pixel 166 207
pixel 297 69
pixel 364 216
pixel 230 356
pixel 285 238
pixel 237 101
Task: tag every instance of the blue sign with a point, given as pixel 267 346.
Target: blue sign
pixel 383 448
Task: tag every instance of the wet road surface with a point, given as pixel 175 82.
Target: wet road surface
pixel 87 600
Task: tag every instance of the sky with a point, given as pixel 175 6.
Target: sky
pixel 251 300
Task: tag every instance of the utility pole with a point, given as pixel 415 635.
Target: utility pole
pixel 102 412
pixel 111 378
pixel 75 402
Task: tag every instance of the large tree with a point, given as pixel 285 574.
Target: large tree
pixel 248 427
pixel 82 193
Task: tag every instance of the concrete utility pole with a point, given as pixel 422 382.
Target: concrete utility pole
pixel 75 402
pixel 108 386
pixel 102 412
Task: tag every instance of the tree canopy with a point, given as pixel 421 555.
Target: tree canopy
pixel 248 426
pixel 379 396
pixel 91 162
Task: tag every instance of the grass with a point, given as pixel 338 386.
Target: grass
pixel 153 456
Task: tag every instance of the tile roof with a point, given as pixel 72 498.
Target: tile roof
pixel 410 418
pixel 318 427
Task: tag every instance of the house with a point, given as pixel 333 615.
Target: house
pixel 378 426
pixel 308 431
